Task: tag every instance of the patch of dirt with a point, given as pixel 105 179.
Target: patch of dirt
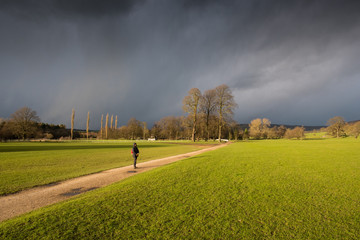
pixel 28 200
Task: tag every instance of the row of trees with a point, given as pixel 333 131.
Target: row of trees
pixel 217 103
pixel 173 128
pixel 134 129
pixel 25 124
pixel 260 129
pixel 209 117
pixel 336 127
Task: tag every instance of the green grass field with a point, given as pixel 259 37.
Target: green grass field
pixel 317 135
pixel 276 189
pixel 25 165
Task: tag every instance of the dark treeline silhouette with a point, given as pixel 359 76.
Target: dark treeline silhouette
pixel 25 124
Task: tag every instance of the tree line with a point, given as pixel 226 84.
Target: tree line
pixel 209 117
pixel 25 124
pixel 338 127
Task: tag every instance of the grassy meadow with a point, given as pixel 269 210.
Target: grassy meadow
pixel 28 164
pixel 271 189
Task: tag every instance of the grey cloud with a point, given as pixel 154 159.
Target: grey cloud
pixel 33 9
pixel 95 8
pixel 283 59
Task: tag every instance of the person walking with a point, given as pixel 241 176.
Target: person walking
pixel 135 152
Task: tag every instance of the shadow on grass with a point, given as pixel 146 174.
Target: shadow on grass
pixel 77 191
pixel 72 147
pixel 314 139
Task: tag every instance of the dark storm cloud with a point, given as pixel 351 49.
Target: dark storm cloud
pixel 78 8
pixel 285 60
pixel 95 8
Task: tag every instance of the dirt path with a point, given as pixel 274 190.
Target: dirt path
pixel 34 198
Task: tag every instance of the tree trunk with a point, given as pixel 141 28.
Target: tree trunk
pixel 72 124
pixel 87 126
pixel 207 127
pixel 220 125
pixel 208 133
pixel 193 134
pixel 106 126
pixel 194 127
pixel 101 129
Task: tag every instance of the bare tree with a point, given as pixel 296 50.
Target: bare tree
pixel 208 107
pixel 106 126
pixel 156 131
pixel 255 128
pixel 101 128
pixel 186 125
pixel 354 129
pixel 225 105
pixel 281 131
pixel 72 124
pixel 87 126
pixel 135 129
pixel 190 105
pixel 116 120
pixel 259 128
pixel 235 130
pixel 8 130
pixel 169 127
pixel 297 132
pixel 145 130
pixel 246 134
pixel 24 122
pixel 336 126
pixel 276 132
pixel 111 121
pixel 265 127
pixel 201 126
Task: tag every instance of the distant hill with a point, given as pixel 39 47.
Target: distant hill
pixel 307 128
pixel 354 121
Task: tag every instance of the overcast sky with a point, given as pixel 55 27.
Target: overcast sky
pixel 294 62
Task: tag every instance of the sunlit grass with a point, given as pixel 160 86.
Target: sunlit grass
pixel 281 189
pixel 25 165
pixel 317 135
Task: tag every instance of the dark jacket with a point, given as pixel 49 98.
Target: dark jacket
pixel 134 150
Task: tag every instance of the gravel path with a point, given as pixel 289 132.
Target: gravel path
pixel 34 198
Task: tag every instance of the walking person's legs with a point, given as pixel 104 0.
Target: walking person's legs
pixel 135 157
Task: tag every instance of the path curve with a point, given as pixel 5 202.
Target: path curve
pixel 28 200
